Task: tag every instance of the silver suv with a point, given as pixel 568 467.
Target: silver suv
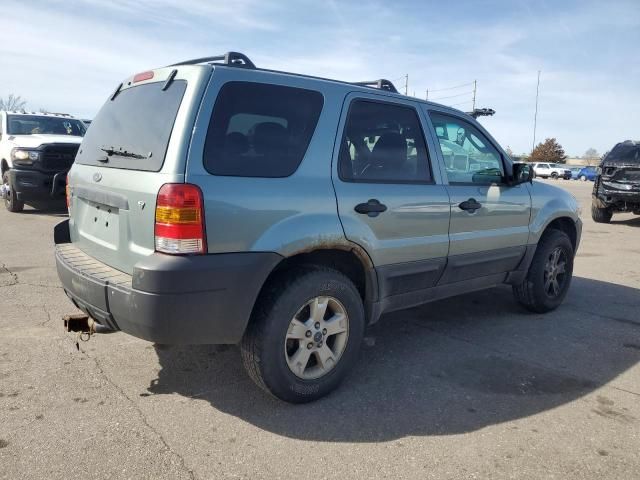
pixel 215 202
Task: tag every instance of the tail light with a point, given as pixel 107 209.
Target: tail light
pixel 179 227
pixel 140 77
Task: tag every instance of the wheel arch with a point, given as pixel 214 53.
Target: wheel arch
pixel 347 258
pixel 566 225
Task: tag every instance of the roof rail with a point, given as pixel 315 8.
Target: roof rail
pixel 482 112
pixel 230 58
pixel 382 84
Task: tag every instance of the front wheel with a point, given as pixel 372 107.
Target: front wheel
pixel 583 178
pixel 11 201
pixel 305 334
pixel 549 276
pixel 554 175
pixel 601 215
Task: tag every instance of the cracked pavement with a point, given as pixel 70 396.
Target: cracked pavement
pixel 470 387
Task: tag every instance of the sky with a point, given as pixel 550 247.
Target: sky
pixel 68 56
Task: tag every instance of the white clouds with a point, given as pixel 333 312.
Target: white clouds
pixel 68 56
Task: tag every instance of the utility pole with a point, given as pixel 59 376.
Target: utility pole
pixel 406 84
pixel 427 97
pixel 475 84
pixel 535 115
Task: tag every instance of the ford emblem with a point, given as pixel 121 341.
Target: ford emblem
pixel 97 177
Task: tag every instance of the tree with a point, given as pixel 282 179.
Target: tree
pixel 509 152
pixel 548 151
pixel 591 156
pixel 12 103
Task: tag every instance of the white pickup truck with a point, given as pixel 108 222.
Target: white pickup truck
pixel 36 152
pixel 551 170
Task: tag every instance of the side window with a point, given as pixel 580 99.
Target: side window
pixel 260 130
pixel 383 143
pixel 468 155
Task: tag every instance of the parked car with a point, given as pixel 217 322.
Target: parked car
pixel 215 202
pixel 617 183
pixel 36 152
pixel 575 171
pixel 587 173
pixel 551 170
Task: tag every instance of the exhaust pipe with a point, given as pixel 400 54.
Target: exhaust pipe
pixel 84 327
pixel 79 323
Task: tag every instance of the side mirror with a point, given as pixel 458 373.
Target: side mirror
pixel 522 173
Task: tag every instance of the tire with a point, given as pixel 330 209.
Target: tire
pixel 534 293
pixel 11 203
pixel 601 215
pixel 267 351
pixel 554 175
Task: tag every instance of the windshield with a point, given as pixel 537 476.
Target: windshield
pixel 40 124
pixel 626 152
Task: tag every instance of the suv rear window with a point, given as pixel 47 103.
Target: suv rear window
pixel 139 120
pixel 625 152
pixel 260 130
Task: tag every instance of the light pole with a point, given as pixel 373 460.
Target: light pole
pixel 535 115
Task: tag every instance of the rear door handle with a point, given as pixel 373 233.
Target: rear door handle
pixel 372 208
pixel 470 205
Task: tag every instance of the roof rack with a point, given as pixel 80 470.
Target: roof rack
pixel 382 84
pixel 482 112
pixel 230 58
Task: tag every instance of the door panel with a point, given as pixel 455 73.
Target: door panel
pixel 501 222
pixel 414 226
pixel 489 225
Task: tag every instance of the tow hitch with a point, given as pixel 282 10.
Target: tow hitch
pixel 83 325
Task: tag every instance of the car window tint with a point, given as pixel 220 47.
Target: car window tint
pixel 139 120
pixel 260 130
pixel 383 142
pixel 468 155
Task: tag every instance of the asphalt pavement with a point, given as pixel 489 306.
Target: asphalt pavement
pixel 469 387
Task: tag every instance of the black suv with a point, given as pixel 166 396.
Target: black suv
pixel 617 184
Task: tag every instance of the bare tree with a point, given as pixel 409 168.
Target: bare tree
pixel 591 156
pixel 509 151
pixel 12 102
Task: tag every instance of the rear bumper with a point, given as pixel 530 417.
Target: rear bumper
pixel 33 185
pixel 169 299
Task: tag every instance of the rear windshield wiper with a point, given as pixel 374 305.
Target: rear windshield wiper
pixel 110 151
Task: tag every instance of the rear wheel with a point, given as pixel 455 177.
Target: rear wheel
pixel 11 201
pixel 305 335
pixel 554 175
pixel 601 215
pixel 549 276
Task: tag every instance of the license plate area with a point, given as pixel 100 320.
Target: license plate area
pixel 100 223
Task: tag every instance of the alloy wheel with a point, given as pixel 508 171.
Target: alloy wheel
pixel 555 272
pixel 316 337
